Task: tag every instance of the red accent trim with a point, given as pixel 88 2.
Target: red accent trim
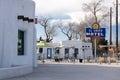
pixel 95 37
pixel 36 20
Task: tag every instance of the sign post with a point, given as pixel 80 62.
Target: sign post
pixel 95 48
pixel 95 32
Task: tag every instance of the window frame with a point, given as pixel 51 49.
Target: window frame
pixel 21 39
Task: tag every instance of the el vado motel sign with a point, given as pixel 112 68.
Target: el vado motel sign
pixel 95 31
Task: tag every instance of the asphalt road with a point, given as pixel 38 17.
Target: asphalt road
pixel 72 72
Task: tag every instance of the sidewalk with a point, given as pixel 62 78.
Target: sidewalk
pixel 78 63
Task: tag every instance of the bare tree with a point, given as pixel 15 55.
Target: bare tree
pixel 79 30
pixel 49 29
pixel 67 29
pixel 73 30
pixel 89 20
pixel 97 14
pixel 97 10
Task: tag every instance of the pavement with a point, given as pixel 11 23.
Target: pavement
pixel 73 71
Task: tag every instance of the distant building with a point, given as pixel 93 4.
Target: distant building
pixel 76 48
pixel 17 35
pixel 44 50
pixel 66 49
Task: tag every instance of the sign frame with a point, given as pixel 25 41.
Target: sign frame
pixel 95 31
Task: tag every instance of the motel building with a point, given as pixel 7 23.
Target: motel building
pixel 17 38
pixel 65 50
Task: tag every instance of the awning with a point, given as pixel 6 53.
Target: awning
pixel 42 44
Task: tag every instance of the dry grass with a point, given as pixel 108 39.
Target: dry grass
pixel 105 60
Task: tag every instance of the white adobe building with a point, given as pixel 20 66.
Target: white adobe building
pixel 17 37
pixel 66 49
pixel 45 51
pixel 75 47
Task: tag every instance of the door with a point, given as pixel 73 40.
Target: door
pixel 76 52
pixel 49 53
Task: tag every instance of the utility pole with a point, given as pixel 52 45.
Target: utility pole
pixel 110 25
pixel 116 26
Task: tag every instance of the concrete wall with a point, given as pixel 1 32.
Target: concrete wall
pixel 14 71
pixel 9 26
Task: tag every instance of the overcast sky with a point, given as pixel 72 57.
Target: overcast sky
pixel 64 9
pixel 67 9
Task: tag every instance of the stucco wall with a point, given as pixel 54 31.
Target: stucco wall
pixel 88 51
pixel 9 25
pixel 77 44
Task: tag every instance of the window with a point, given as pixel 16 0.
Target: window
pixel 20 42
pixel 76 50
pixel 66 52
pixel 40 50
pixel 57 51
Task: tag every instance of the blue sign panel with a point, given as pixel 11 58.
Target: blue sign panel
pixel 91 32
